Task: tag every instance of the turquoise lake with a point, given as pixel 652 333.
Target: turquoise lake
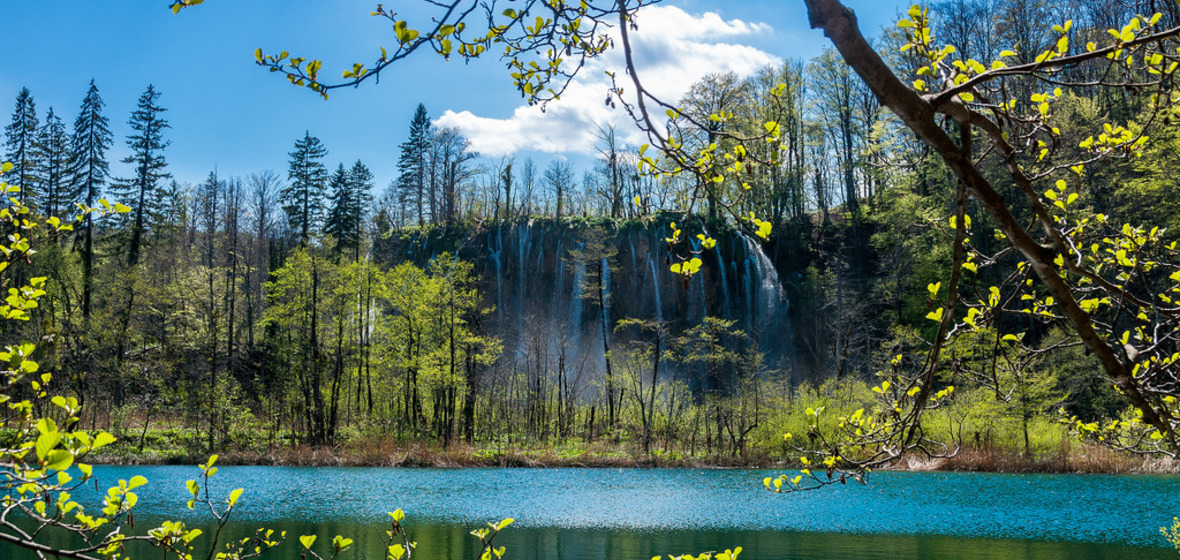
pixel 589 514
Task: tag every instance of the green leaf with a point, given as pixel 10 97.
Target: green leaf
pixel 59 460
pixel 46 442
pixel 307 541
pixel 103 439
pixel 340 543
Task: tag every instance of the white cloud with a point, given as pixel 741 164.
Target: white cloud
pixel 672 50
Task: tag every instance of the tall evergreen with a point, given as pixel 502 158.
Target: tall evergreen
pixel 53 157
pixel 412 165
pixel 147 155
pixel 303 196
pixel 350 197
pixel 21 142
pixel 339 195
pixel 88 172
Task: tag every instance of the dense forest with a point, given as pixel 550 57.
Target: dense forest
pixel 514 304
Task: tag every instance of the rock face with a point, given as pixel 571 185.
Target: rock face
pixel 529 276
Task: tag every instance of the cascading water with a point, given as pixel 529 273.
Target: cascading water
pixel 576 301
pixel 605 292
pixel 748 284
pixel 634 262
pixel 744 286
pixel 558 275
pixel 770 319
pixel 524 241
pixel 495 250
pixel 697 284
pixel 726 312
pixel 655 287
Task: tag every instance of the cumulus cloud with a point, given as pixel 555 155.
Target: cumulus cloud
pixel 673 49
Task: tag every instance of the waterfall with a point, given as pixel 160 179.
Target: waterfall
pixel 769 318
pixel 655 287
pixel 634 262
pixel 495 252
pixel 726 312
pixel 576 302
pixel 605 279
pixel 558 276
pixel 699 281
pixel 524 241
pixel 541 251
pixel 748 275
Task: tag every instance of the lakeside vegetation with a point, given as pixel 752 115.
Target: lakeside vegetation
pixel 284 336
pixel 311 313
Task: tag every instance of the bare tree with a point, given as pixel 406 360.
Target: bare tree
pixel 559 175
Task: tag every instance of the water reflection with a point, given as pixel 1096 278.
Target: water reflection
pixel 589 514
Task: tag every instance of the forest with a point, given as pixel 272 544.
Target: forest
pixel 475 309
pixel 950 244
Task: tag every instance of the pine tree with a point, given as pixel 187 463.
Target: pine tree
pixel 147 155
pixel 21 141
pixel 336 221
pixel 302 198
pixel 350 198
pixel 53 157
pixel 412 164
pixel 88 172
pixel 171 204
pixel 361 180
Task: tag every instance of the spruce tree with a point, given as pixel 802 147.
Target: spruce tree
pixel 53 158
pixel 360 180
pixel 350 198
pixel 21 141
pixel 88 172
pixel 302 198
pixel 147 156
pixel 339 195
pixel 412 165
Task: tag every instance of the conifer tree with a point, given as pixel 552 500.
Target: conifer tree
pixel 350 198
pixel 53 158
pixel 88 172
pixel 361 180
pixel 336 221
pixel 21 141
pixel 412 165
pixel 147 156
pixel 302 198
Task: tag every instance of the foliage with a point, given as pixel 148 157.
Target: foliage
pixel 22 141
pixel 40 446
pixel 1172 533
pixel 149 167
pixel 302 198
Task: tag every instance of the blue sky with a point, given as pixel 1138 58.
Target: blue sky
pixel 228 113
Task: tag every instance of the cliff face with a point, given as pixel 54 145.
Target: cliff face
pixel 528 274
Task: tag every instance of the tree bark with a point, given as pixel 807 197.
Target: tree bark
pixel 840 25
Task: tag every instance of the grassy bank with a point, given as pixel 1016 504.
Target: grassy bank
pixel 178 446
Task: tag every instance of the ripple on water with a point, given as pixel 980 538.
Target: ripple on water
pixel 1088 508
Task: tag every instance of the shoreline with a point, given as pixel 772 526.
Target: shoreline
pixel 1087 461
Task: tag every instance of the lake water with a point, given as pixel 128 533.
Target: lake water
pixel 584 514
